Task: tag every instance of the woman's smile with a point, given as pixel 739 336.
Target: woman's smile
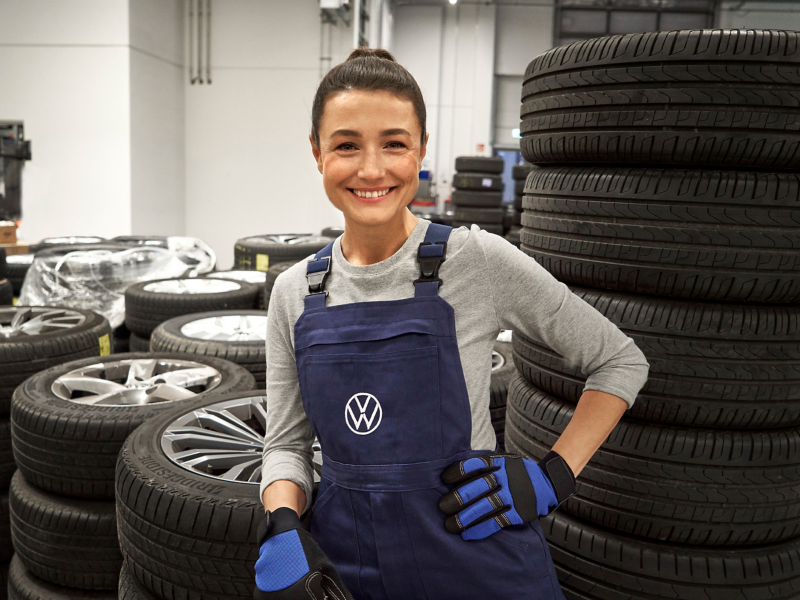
pixel 372 195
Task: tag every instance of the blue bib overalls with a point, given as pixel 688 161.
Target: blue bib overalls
pixel 383 388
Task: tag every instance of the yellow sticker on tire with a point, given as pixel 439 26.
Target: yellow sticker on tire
pixel 262 262
pixel 105 345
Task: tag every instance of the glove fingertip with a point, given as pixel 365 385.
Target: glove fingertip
pixel 449 504
pixel 452 525
pixel 452 473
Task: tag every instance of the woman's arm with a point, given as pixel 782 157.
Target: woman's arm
pixel 595 416
pixel 284 493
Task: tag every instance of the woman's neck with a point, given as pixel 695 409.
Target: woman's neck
pixel 367 245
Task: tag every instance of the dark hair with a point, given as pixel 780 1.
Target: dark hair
pixel 370 69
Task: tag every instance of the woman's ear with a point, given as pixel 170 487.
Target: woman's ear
pixel 423 150
pixel 316 152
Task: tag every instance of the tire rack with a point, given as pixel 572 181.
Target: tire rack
pixel 697 489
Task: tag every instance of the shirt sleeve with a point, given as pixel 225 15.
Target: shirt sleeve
pixel 289 436
pixel 529 299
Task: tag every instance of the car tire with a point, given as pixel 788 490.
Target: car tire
pixel 65 541
pixel 138 344
pixel 702 235
pixel 68 447
pixel 486 182
pixel 680 485
pixel 129 586
pixel 6 293
pixel 150 303
pixel 502 370
pixel 491 216
pixel 17 266
pixel 521 172
pixel 272 276
pixel 479 164
pixel 22 585
pixel 474 198
pixel 724 98
pixel 257 278
pixel 246 349
pixel 260 252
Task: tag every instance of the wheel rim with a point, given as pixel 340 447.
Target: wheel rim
pixel 20 259
pixel 192 286
pixel 224 440
pixel 228 328
pixel 136 381
pixel 29 320
pixel 293 239
pixel 248 276
pixel 73 240
pixel 498 360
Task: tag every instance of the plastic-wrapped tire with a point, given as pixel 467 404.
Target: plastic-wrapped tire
pixel 680 485
pixel 272 276
pixel 711 365
pixel 77 241
pixel 724 98
pixel 260 252
pixel 478 181
pixel 130 588
pixel 6 292
pixel 159 241
pixel 39 339
pixel 480 215
pixel 521 172
pixel 138 344
pixel 7 464
pixel 477 198
pixel 185 534
pixel 495 228
pixel 22 585
pixel 17 266
pixel 593 564
pixel 69 446
pixel 204 334
pixel 703 235
pixel 257 278
pixel 65 541
pixel 150 303
pixel 479 164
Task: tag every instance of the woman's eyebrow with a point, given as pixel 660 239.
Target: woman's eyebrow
pixel 346 133
pixel 389 132
pixel 385 133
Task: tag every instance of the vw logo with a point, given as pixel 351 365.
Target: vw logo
pixel 363 413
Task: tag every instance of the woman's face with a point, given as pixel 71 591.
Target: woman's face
pixel 369 155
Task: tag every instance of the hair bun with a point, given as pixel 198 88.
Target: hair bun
pixel 371 53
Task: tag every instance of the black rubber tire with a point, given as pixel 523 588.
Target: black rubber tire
pixel 478 181
pixel 501 376
pixel 724 98
pixel 138 344
pixel 258 253
pixel 705 235
pixel 479 164
pixel 184 535
pixel 519 187
pixel 491 228
pixel 62 249
pixel 521 171
pixel 15 272
pixel 168 338
pixel 332 232
pixel 53 243
pixel 261 305
pixel 22 585
pixel 130 588
pixel 70 449
pixel 711 365
pixel 21 357
pixel 681 485
pixel 480 215
pixel 6 545
pixel 518 203
pixel 3 272
pixel 513 235
pixel 272 276
pixel 7 464
pixel 65 541
pixel 593 563
pixel 144 311
pixel 6 292
pixel 476 198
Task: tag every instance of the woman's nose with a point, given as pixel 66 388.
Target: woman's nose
pixel 371 166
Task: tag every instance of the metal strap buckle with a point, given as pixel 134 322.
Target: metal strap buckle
pixel 316 280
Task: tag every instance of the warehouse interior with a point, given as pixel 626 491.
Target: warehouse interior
pixel 570 371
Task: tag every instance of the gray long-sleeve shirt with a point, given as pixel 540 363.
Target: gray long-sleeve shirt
pixel 491 285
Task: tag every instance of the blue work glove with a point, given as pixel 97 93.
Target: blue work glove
pixel 291 566
pixel 497 490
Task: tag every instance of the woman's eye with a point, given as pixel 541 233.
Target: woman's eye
pixel 346 146
pixel 396 145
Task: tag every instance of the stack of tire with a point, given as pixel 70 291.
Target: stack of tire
pixel 520 174
pixel 32 339
pixel 260 252
pixel 502 372
pixel 150 303
pixel 6 288
pixel 68 424
pixel 16 269
pixel 695 254
pixel 478 193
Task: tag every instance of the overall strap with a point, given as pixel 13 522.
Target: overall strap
pixel 317 272
pixel 431 255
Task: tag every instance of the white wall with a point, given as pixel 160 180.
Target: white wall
pixel 158 175
pixel 450 51
pixel 249 168
pixel 66 75
pixel 760 15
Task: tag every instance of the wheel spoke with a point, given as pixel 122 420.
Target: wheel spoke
pixel 124 397
pixel 199 375
pixel 167 392
pixel 94 385
pixel 192 438
pixel 141 370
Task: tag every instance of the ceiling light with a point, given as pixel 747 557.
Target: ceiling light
pixel 453 1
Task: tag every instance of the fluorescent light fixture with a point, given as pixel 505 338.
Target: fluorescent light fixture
pixel 515 134
pixel 453 1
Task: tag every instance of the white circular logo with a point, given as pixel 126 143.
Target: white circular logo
pixel 363 413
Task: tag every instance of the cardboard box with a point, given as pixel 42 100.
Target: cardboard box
pixel 8 232
pixel 16 248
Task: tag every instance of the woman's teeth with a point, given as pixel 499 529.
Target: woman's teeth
pixel 377 194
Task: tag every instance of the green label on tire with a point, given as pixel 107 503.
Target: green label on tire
pixel 105 345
